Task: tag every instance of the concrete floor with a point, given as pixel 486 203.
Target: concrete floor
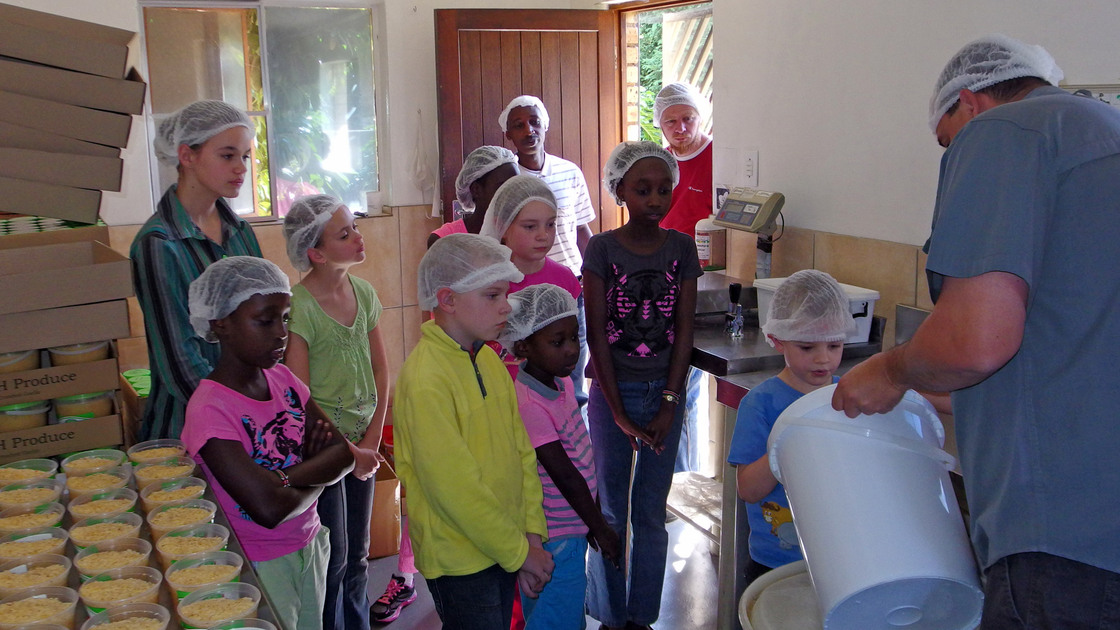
pixel 687 602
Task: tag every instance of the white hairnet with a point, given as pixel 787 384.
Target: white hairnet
pixel 535 307
pixel 228 282
pixel 983 63
pixel 625 155
pixel 524 100
pixel 508 201
pixel 478 163
pixel 809 306
pixel 678 94
pixel 303 226
pixel 463 263
pixel 194 124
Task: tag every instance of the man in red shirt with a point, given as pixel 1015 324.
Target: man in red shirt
pixel 679 112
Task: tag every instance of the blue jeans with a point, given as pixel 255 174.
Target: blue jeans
pixel 1038 590
pixel 345 508
pixel 560 604
pixel 688 453
pixel 479 601
pixel 612 598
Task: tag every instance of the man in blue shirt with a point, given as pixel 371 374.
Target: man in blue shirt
pixel 1023 332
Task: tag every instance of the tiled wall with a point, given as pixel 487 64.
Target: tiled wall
pixel 895 270
pixel 395 242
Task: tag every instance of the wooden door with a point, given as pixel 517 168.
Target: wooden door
pixel 568 58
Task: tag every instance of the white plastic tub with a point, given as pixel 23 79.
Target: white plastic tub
pixel 875 512
pixel 861 303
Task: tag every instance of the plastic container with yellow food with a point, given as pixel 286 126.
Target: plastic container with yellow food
pixel 103 481
pixel 245 624
pixel 156 450
pixel 40 604
pixel 19 546
pixel 136 616
pixel 91 461
pixel 202 569
pixel 113 554
pixel 28 519
pixel 31 493
pixel 96 530
pixel 27 415
pixel 217 604
pixel 183 514
pixel 178 543
pixel 166 470
pixel 126 585
pixel 21 361
pixel 44 569
pixel 28 470
pixel 79 353
pixel 155 495
pixel 108 503
pixel 89 405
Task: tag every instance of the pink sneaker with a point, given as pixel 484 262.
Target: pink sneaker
pixel 388 607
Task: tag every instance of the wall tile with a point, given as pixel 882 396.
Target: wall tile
pixel 413 317
pixel 922 292
pixel 392 334
pixel 793 251
pixel 884 266
pixel 741 254
pixel 120 237
pixel 382 267
pixel 416 225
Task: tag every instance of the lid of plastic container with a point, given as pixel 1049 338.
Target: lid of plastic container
pixel 7 358
pixel 79 348
pixel 83 397
pixel 913 423
pixel 35 406
pixel 853 292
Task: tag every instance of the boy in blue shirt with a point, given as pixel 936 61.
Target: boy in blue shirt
pixel 808 321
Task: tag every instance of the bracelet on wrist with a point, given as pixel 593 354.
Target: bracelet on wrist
pixel 287 483
pixel 670 396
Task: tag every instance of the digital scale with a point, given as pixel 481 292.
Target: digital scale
pixel 750 210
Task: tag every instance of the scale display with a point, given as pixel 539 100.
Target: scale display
pixel 750 209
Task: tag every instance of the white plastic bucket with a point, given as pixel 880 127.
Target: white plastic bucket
pixel 782 599
pixel 874 508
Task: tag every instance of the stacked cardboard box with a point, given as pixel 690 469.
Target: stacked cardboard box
pixel 67 98
pixel 59 294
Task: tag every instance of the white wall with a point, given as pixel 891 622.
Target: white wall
pixel 834 95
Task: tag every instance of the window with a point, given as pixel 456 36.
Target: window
pixel 663 46
pixel 306 77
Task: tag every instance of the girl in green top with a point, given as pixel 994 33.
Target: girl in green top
pixel 335 346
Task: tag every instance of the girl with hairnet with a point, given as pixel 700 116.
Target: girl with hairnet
pixel 485 169
pixel 264 444
pixel 543 331
pixel 522 217
pixel 210 143
pixel 809 320
pixel 640 287
pixel 336 347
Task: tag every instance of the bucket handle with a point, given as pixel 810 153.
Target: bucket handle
pixel 945 459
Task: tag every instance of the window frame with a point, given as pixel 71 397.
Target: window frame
pixel 377 25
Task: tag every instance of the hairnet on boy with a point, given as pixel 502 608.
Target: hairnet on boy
pixel 983 63
pixel 462 263
pixel 194 124
pixel 508 201
pixel 303 226
pixel 809 306
pixel 525 100
pixel 678 94
pixel 625 155
pixel 478 163
pixel 535 307
pixel 228 282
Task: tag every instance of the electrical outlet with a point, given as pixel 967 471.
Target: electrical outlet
pixel 750 167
